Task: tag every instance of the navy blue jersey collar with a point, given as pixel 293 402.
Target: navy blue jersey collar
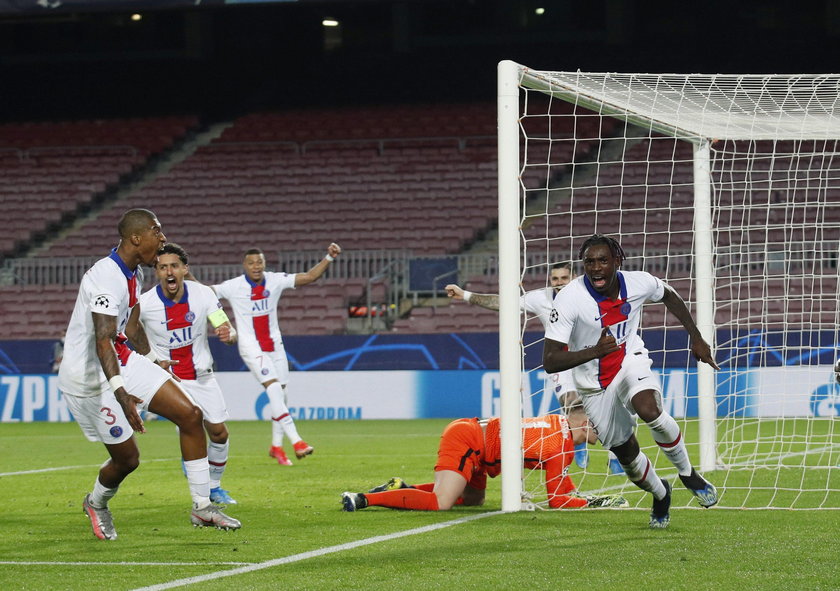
pixel 622 288
pixel 125 270
pixel 251 283
pixel 166 301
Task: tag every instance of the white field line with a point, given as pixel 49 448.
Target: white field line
pixel 312 554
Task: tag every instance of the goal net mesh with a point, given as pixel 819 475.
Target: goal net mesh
pixel 615 154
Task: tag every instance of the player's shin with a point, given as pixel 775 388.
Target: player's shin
pixel 667 435
pixel 280 412
pixel 405 498
pixel 198 477
pixel 217 455
pixel 642 473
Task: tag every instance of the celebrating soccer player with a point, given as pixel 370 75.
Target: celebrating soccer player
pixel 175 314
pixel 104 382
pixel 254 297
pixel 596 331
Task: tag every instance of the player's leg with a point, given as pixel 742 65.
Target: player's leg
pixel 101 419
pixel 448 488
pixel 667 434
pixel 641 472
pixel 568 399
pixel 217 456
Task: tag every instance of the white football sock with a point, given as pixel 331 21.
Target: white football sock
pixel 666 433
pixel 101 494
pixel 198 478
pixel 217 455
pixel 641 473
pixel 280 413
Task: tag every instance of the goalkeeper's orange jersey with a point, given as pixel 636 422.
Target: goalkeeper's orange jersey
pixel 547 444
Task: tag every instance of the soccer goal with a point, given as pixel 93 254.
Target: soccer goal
pixel 728 188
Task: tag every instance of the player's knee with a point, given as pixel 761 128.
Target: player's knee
pixel 217 432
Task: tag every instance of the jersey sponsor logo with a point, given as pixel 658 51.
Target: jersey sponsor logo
pixel 102 301
pixel 260 306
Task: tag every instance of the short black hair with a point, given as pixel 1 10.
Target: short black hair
pixel 134 221
pixel 251 251
pixel 612 244
pixel 172 248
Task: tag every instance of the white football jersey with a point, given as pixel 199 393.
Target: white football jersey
pixel 580 313
pixel 539 303
pixel 178 330
pixel 255 309
pixel 109 287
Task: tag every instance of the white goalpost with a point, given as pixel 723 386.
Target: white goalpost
pixel 728 188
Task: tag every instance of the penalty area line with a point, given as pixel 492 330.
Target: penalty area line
pixel 314 553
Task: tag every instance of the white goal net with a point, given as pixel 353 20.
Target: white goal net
pixel 728 188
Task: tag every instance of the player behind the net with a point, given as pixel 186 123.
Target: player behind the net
pixel 595 330
pixel 470 451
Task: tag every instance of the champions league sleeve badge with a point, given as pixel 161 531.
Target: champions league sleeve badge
pixel 102 302
pixel 553 316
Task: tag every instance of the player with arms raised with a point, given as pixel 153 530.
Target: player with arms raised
pixel 595 330
pixel 175 314
pixel 254 297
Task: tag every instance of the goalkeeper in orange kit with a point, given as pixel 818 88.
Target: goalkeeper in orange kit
pixel 470 451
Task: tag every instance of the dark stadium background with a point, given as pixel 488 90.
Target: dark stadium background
pixel 87 58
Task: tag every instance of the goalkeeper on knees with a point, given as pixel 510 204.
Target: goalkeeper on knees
pixel 470 451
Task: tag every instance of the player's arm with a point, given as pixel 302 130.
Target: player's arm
pixel 140 341
pixel 560 486
pixel 105 332
pixel 699 347
pixel 483 300
pixel 557 357
pixel 313 274
pixel 222 325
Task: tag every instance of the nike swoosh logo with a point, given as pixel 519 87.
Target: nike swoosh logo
pixel 597 318
pixel 640 379
pixel 164 322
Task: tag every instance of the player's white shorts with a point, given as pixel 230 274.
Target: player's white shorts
pixel 611 410
pixel 268 366
pixel 101 417
pixel 207 394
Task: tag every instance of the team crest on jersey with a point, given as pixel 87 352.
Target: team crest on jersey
pixel 116 431
pixel 625 308
pixel 266 293
pixel 101 301
pixel 264 371
pixel 553 316
pixel 189 317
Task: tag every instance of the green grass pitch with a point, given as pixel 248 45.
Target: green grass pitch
pixel 46 542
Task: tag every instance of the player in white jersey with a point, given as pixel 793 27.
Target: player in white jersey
pixel 595 330
pixel 104 382
pixel 254 297
pixel 175 314
pixel 540 303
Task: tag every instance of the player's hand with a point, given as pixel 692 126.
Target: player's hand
pixel 703 352
pixel 167 365
pixel 129 403
pixel 226 334
pixel 454 292
pixel 333 250
pixel 606 501
pixel 606 344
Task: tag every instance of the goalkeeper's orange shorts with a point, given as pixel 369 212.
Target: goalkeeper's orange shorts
pixel 461 450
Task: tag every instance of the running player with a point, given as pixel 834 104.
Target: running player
pixel 595 330
pixel 254 297
pixel 105 383
pixel 175 314
pixel 470 451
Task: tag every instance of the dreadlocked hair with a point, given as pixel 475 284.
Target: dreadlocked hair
pixel 612 244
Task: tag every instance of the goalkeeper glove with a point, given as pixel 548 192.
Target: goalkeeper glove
pixel 606 501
